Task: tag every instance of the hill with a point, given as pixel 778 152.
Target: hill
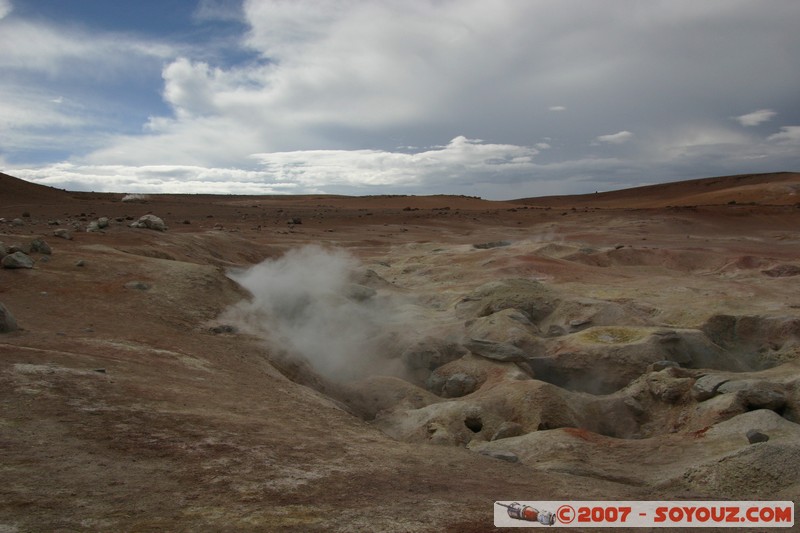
pixel 778 188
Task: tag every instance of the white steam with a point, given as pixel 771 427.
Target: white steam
pixel 306 304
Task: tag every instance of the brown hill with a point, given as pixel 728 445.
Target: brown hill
pixel 15 191
pixel 778 188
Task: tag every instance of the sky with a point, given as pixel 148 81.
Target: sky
pixel 499 99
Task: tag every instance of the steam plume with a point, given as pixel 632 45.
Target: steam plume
pixel 305 304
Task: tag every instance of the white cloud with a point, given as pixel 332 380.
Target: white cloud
pixel 5 8
pixel 442 168
pixel 787 135
pixel 461 159
pixel 324 91
pixel 615 138
pixel 154 179
pixel 756 117
pixel 53 50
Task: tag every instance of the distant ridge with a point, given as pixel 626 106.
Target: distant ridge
pixel 775 188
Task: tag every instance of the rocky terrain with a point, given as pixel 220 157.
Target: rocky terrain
pixel 393 363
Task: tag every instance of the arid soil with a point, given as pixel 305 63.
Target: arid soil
pixel 629 345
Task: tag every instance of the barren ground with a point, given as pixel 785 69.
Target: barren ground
pixel 124 409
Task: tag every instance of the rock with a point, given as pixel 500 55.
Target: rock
pixel 294 220
pixel 493 244
pixel 93 227
pixel 501 454
pixel 532 298
pixel 499 351
pixel 429 354
pixel 661 365
pixel 17 222
pixel 7 322
pixel 782 271
pixel 80 263
pixel 756 394
pixel 224 328
pixel 457 385
pixel 17 260
pixel 102 222
pixel 507 430
pixel 509 327
pixel 754 436
pixel 40 246
pixel 137 285
pixel 62 233
pixel 669 389
pixel 707 386
pixel 150 222
pixel 24 248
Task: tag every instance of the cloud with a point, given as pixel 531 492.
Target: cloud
pixel 5 8
pixel 324 92
pixel 461 159
pixel 756 117
pixel 174 179
pixel 787 135
pixel 615 138
pixel 72 52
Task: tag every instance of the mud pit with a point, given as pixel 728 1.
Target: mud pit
pixel 417 358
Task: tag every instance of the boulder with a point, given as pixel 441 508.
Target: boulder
pixel 17 260
pixel 469 373
pixel 7 322
pixel 509 327
pixel 756 394
pixel 708 386
pixel 62 233
pixel 533 299
pixel 40 246
pixel 150 222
